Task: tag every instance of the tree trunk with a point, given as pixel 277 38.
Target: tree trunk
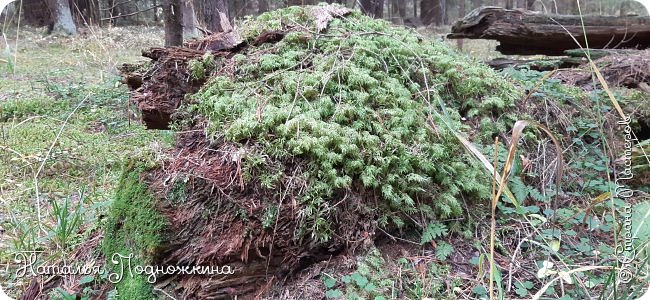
pixel 509 4
pixel 86 11
pixel 189 20
pixel 399 9
pixel 573 7
pixel 415 9
pixel 262 6
pixel 373 8
pixel 446 8
pixel 432 12
pixel 236 9
pixel 521 4
pixel 173 22
pixel 301 2
pixel 62 15
pixel 461 13
pixel 475 4
pixel 36 13
pixel 216 16
pixel 155 15
pixel 426 11
pixel 523 33
pixel 530 4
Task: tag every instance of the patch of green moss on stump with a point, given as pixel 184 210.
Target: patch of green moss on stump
pixel 134 226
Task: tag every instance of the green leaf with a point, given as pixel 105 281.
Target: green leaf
pixel 433 231
pixel 359 279
pixel 333 294
pixel 521 292
pixel 480 290
pixel 369 287
pixel 443 250
pixel 555 245
pixel 346 279
pixel 550 291
pixel 86 279
pixel 528 284
pixel 329 282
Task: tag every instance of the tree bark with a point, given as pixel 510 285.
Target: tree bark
pixel 446 8
pixel 37 13
pixel 573 7
pixel 189 20
pixel 427 11
pixel 521 32
pixel 373 8
pixel 216 16
pixel 173 22
pixel 432 12
pixel 461 13
pixel 475 4
pixel 62 17
pixel 399 8
pixel 262 6
pixel 521 4
pixel 530 4
pixel 235 9
pixel 301 2
pixel 86 11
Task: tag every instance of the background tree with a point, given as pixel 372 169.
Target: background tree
pixel 218 15
pixel 62 17
pixel 374 8
pixel 432 11
pixel 36 13
pixel 215 14
pixel 262 6
pixel 189 19
pixel 173 22
pixel 399 9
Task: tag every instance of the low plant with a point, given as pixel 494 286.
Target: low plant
pixel 68 218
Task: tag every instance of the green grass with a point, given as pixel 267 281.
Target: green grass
pixel 51 78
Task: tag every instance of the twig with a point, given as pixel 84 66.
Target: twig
pixel 131 14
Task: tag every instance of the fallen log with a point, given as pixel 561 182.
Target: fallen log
pixel 525 33
pixel 598 53
pixel 537 65
pixel 628 69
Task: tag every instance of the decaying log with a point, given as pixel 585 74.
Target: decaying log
pixel 599 53
pixel 525 32
pixel 537 65
pixel 629 69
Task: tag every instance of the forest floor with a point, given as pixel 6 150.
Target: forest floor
pixel 66 130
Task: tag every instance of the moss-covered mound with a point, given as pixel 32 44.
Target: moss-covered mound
pixel 323 126
pixel 351 106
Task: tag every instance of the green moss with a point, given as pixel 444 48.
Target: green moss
pixel 354 103
pixel 136 288
pixel 134 226
pixel 200 68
